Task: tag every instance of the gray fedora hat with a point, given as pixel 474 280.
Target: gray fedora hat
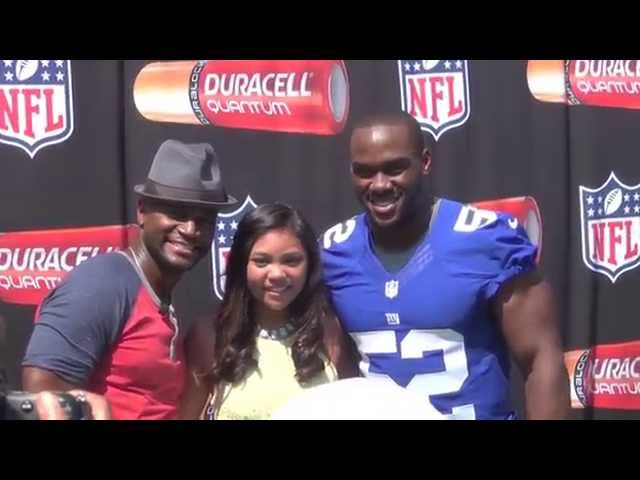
pixel 185 173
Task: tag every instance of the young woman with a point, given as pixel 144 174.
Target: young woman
pixel 275 333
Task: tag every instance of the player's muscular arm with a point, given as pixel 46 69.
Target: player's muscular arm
pixel 526 311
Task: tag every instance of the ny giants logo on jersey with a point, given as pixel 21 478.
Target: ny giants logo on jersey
pixel 225 231
pixel 610 224
pixel 436 93
pixel 392 318
pixel 36 105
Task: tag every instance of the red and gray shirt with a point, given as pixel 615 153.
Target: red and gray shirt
pixel 105 329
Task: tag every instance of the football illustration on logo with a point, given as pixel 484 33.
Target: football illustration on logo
pixel 429 64
pixel 25 69
pixel 612 201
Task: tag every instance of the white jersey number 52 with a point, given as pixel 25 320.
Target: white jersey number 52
pixel 414 345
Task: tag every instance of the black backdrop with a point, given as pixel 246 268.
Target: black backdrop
pixel 511 145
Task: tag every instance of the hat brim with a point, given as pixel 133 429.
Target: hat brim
pixel 140 190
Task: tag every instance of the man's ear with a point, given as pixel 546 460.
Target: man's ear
pixel 140 211
pixel 426 161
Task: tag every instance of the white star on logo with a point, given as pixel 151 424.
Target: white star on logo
pixel 8 76
pixel 636 209
pixel 59 63
pixel 221 225
pixel 222 238
pixel 7 63
pixel 599 211
pixel 59 76
pixel 407 67
pixel 458 64
pixel 626 197
pixel 447 64
pixel 234 225
pixel 590 200
pixel 636 196
pixel 45 76
pixel 45 63
pixel 590 212
pixel 599 199
pixel 416 66
pixel 627 209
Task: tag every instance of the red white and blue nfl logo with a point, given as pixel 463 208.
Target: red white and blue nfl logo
pixel 436 93
pixel 610 220
pixel 225 231
pixel 36 103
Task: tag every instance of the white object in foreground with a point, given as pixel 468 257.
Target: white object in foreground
pixel 358 399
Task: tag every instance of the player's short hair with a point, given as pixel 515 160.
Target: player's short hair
pixel 394 118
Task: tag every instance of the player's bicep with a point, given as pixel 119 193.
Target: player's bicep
pixel 525 308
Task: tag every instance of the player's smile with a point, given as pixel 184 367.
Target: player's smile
pixel 384 205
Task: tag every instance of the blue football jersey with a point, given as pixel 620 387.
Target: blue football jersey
pixel 430 326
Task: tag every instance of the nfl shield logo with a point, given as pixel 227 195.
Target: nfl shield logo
pixel 610 218
pixel 435 92
pixel 36 105
pixel 391 288
pixel 226 226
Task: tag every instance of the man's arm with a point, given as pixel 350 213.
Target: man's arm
pixel 77 323
pixel 526 311
pixel 36 380
pixel 199 346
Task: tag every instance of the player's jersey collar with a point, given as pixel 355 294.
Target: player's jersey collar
pixel 373 263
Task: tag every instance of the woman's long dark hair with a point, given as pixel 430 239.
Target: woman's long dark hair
pixel 236 326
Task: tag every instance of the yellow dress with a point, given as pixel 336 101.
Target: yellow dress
pixel 267 388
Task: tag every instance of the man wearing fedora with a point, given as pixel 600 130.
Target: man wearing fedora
pixel 109 326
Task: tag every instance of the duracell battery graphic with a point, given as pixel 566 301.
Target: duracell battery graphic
pixel 294 96
pixel 605 376
pixel 603 83
pixel 34 262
